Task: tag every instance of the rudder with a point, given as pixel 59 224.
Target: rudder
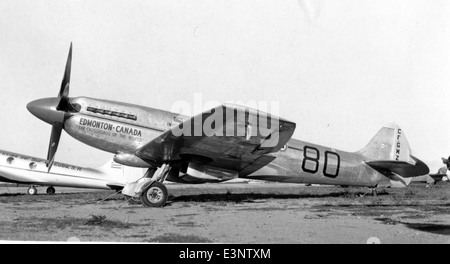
pixel 389 143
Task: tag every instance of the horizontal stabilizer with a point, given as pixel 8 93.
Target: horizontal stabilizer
pixel 401 168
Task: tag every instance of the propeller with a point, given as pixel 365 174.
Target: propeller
pixel 53 145
pixel 54 111
pixel 64 90
pixel 62 105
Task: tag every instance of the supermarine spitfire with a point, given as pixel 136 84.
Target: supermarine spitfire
pixel 226 142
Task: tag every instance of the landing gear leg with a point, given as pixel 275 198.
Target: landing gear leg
pixel 156 195
pixel 150 172
pixel 161 177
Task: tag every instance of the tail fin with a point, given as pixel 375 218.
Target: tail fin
pixel 389 153
pixel 388 144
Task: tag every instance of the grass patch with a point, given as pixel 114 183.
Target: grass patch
pixel 187 224
pixel 100 220
pixel 46 224
pixel 388 221
pixel 225 199
pixel 267 208
pixel 137 236
pixel 96 220
pixel 60 223
pixel 86 197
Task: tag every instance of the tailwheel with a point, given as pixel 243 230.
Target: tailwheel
pixel 374 192
pixel 155 196
pixel 32 190
pixel 51 190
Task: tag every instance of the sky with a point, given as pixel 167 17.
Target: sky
pixel 339 69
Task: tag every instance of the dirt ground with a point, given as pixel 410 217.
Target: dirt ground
pixel 232 213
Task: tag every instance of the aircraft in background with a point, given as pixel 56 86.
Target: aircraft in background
pixel 23 169
pixel 442 174
pixel 145 137
pixel 437 177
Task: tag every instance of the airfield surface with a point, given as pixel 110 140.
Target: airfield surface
pixel 232 213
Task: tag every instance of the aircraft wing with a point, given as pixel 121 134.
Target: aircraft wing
pixel 228 136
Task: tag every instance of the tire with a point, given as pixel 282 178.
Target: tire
pixel 155 195
pixel 32 190
pixel 51 190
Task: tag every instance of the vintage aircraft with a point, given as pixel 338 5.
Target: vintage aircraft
pixel 227 142
pixel 442 174
pixel 23 169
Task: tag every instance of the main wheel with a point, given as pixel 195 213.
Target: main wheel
pixel 51 190
pixel 32 190
pixel 155 196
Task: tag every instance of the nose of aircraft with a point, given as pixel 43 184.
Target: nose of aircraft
pixel 45 109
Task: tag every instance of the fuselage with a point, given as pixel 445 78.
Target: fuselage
pixel 122 128
pixel 18 168
pixel 304 162
pixel 117 127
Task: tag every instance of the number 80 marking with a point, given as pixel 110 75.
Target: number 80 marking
pixel 311 155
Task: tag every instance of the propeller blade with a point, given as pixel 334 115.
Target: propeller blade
pixel 65 84
pixel 53 145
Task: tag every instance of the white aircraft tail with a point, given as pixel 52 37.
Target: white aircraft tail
pixel 389 153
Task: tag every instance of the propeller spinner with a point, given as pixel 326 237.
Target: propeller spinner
pixel 53 111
